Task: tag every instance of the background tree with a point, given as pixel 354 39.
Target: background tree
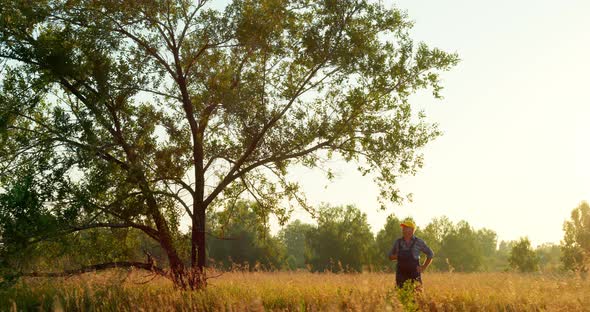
pixel 434 233
pixel 549 255
pixel 384 242
pixel 293 236
pixel 462 248
pixel 576 239
pixel 239 238
pixel 522 257
pixel 500 260
pixel 342 237
pixel 488 241
pixel 148 112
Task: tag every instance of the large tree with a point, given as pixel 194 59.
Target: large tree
pixel 523 257
pixel 549 255
pixel 239 238
pixel 293 236
pixel 342 240
pixel 488 240
pixel 134 113
pixel 461 248
pixel 575 248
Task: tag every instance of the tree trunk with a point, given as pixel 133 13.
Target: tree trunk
pixel 202 255
pixel 198 253
pixel 177 270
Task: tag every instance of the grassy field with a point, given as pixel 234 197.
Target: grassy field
pixel 301 291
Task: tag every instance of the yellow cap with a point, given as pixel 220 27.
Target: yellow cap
pixel 409 223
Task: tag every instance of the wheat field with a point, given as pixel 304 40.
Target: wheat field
pixel 119 290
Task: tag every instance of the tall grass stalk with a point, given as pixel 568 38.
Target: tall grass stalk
pixel 301 291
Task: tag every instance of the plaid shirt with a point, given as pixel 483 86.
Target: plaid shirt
pixel 419 246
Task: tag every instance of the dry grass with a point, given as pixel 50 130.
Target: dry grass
pixel 301 291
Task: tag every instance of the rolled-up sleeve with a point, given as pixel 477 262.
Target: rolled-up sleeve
pixel 393 250
pixel 424 248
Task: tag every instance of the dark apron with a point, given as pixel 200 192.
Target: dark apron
pixel 407 265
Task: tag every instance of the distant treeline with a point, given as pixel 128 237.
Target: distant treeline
pixel 342 241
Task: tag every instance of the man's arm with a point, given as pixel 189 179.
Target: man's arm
pixel 429 255
pixel 424 266
pixel 393 252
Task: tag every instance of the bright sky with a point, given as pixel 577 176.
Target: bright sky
pixel 515 154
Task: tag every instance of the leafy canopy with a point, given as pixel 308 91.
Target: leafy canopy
pixel 141 112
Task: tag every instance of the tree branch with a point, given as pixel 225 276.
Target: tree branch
pixel 184 185
pixel 187 23
pixel 102 154
pixel 177 197
pixel 264 161
pixel 156 93
pixel 98 267
pixel 230 175
pixel 151 51
pixel 146 229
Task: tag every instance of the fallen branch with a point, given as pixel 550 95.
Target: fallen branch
pixel 215 276
pixel 153 276
pixel 98 267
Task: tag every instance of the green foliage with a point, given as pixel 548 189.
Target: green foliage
pixel 136 105
pixel 341 241
pixel 293 236
pixel 522 257
pixel 500 262
pixel 434 234
pixel 384 241
pixel 86 248
pixel 488 241
pixel 407 296
pixel 24 220
pixel 462 248
pixel 549 257
pixel 576 239
pixel 240 238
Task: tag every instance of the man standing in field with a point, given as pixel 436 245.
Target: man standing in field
pixel 406 250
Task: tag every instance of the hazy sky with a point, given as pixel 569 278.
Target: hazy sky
pixel 515 154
